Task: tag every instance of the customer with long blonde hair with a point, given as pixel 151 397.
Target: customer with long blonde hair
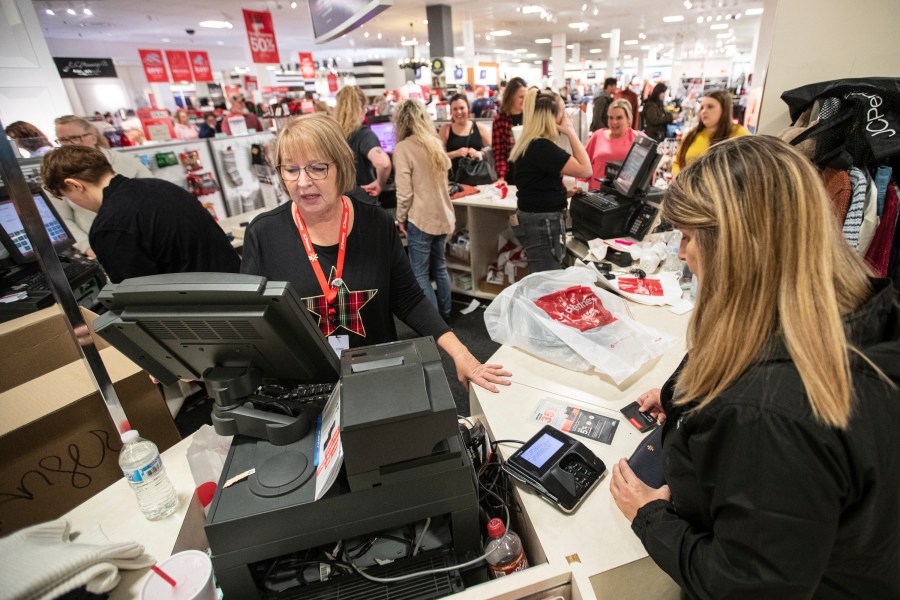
pixel 373 165
pixel 540 166
pixel 424 210
pixel 780 447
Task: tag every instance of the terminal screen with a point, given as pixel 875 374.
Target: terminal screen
pixel 632 166
pixel 541 450
pixel 14 229
pixel 385 134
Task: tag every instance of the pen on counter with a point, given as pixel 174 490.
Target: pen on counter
pixel 624 242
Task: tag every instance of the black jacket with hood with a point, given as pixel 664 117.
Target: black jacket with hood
pixel 767 502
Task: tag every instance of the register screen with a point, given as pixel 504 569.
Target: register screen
pixel 542 450
pixel 13 227
pixel 385 134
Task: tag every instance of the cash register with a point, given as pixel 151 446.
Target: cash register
pixel 252 341
pixel 624 206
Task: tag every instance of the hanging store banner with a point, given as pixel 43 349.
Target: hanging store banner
pixel 200 66
pixel 332 83
pixel 154 66
pixel 261 34
pixel 179 66
pixel 307 66
pixel 80 68
pixel 251 84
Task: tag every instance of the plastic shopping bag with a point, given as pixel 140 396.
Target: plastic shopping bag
pixel 206 457
pixel 563 318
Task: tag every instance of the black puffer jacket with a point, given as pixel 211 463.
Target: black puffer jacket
pixel 769 503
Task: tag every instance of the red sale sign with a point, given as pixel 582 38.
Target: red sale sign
pixel 307 66
pixel 179 65
pixel 200 65
pixel 576 307
pixel 261 34
pixel 251 83
pixel 154 67
pixel 332 83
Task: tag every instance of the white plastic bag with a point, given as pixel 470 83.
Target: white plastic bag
pixel 563 318
pixel 206 457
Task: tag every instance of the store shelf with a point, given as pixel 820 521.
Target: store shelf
pixel 456 265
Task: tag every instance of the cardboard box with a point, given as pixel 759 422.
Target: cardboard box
pixel 57 439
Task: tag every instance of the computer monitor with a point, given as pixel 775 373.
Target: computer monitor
pixel 638 167
pixel 14 237
pixel 232 330
pixel 385 134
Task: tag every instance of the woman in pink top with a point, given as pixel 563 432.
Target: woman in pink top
pixel 184 129
pixel 613 142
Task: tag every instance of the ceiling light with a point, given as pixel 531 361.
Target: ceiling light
pixel 699 19
pixel 379 35
pixel 630 42
pixel 293 5
pixel 719 26
pixel 595 50
pixel 647 47
pixel 688 5
pixel 718 17
pixel 569 46
pixel 723 36
pixel 627 56
pixel 596 11
pixel 537 62
pixel 71 11
pixel 520 50
pixel 753 11
pixel 673 19
pixel 87 12
pixel 528 10
pixel 50 12
pixel 500 33
pixel 606 35
pixel 578 25
pixel 517 60
pixel 412 42
pixel 583 7
pixel 216 24
pixel 424 21
pixel 366 34
pixel 460 49
pixel 642 36
pixel 708 19
pixel 542 41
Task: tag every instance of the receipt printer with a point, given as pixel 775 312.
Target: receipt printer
pixel 560 468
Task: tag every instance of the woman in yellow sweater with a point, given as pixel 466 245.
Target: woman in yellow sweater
pixel 715 126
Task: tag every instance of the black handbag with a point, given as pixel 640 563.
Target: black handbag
pixel 475 171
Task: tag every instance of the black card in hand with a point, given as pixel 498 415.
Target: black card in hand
pixel 643 422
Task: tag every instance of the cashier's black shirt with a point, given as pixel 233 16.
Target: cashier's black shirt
pixel 539 179
pixel 151 226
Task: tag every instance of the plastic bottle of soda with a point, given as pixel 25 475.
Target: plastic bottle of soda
pixel 504 550
pixel 143 468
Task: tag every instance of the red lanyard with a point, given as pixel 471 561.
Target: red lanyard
pixel 331 291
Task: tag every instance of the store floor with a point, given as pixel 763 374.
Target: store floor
pixel 469 328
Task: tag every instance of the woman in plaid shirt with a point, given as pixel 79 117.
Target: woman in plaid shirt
pixel 501 131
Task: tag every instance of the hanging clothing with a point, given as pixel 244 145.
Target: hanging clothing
pixel 837 184
pixel 879 254
pixel 853 222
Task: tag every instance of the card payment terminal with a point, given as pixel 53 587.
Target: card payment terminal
pixel 560 468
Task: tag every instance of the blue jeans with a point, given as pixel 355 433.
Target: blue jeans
pixel 541 234
pixel 426 255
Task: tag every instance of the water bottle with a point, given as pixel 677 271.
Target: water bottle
pixel 673 263
pixel 504 552
pixel 140 462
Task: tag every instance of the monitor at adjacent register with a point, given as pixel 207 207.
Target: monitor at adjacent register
pixel 385 133
pixel 14 237
pixel 638 167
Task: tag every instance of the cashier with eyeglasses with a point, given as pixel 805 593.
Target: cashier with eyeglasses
pixel 345 258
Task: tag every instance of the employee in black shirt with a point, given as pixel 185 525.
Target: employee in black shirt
pixel 540 166
pixel 343 256
pixel 143 226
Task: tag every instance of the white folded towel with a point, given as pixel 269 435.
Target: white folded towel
pixel 44 561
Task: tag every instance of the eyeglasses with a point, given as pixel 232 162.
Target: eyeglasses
pixel 316 170
pixel 72 139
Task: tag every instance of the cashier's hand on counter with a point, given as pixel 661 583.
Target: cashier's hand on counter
pixel 469 368
pixel 630 493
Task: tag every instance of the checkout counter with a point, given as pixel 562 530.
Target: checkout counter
pixel 591 553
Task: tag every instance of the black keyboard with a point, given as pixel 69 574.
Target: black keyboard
pixel 36 282
pixel 294 398
pixel 603 201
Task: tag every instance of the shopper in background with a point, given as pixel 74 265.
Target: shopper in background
pixel 715 126
pixel 482 101
pixel 239 108
pixel 611 143
pixel 353 278
pixel 373 165
pixel 72 130
pixel 601 105
pixel 626 93
pixel 780 445
pixel 462 136
pixel 540 166
pixel 143 226
pixel 424 211
pixel 209 127
pixel 502 140
pixel 184 129
pixel 29 138
pixel 656 118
